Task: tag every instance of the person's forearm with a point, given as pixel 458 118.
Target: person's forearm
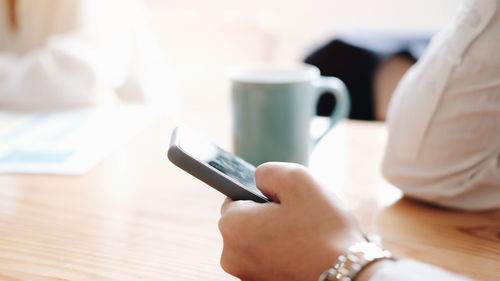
pixel 45 78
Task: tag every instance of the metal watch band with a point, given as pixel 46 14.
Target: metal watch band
pixel 349 264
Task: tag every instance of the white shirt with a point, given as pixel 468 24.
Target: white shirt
pixel 444 125
pixel 77 52
pixel 444 118
pixel 408 270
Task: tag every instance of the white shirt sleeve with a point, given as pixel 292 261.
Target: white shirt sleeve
pixel 444 117
pixel 409 270
pixel 55 60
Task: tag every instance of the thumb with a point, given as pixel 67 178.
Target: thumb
pixel 283 182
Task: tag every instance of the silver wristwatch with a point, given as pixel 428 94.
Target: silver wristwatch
pixel 349 264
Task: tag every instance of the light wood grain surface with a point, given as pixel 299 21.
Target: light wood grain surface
pixel 137 217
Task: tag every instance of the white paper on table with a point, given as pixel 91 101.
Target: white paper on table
pixel 66 142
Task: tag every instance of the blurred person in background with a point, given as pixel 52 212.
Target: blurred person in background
pixel 443 148
pixel 370 63
pixel 67 53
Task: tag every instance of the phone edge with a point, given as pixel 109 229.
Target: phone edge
pixel 208 175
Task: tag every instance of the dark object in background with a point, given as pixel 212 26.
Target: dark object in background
pixel 354 58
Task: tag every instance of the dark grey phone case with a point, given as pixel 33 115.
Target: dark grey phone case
pixel 208 174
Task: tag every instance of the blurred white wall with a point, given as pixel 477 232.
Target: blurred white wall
pixel 203 37
pixel 236 30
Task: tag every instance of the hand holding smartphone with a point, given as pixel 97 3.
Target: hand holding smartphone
pixel 216 167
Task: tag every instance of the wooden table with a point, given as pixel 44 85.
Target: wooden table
pixel 137 217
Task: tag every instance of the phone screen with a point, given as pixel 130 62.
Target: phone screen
pixel 232 166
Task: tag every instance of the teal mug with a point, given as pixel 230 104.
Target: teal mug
pixel 273 107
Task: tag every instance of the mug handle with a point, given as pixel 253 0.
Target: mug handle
pixel 336 87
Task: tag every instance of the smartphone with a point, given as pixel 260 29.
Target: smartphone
pixel 216 167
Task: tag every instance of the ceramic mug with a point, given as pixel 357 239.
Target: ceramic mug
pixel 273 106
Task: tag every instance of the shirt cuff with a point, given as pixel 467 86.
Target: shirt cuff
pixel 410 270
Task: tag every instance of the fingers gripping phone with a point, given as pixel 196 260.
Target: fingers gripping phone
pixel 216 167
